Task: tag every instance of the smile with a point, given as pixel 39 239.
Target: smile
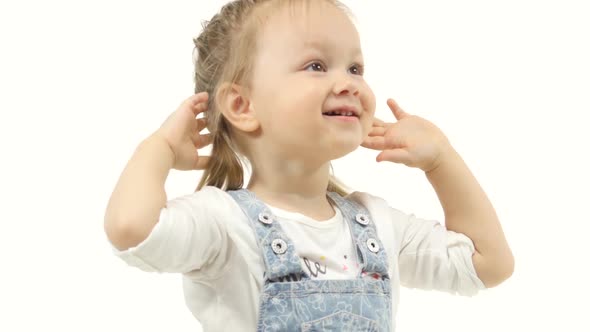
pixel 336 113
pixel 343 111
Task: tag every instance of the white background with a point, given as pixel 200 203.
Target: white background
pixel 83 82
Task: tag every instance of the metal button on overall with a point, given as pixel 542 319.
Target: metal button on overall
pixel 279 246
pixel 373 245
pixel 362 219
pixel 265 218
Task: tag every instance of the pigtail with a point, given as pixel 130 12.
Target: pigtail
pixel 224 169
pixel 335 185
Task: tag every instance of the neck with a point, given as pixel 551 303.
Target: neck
pixel 291 186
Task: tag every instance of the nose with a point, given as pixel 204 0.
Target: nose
pixel 345 85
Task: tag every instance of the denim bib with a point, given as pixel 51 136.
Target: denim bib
pixel 291 301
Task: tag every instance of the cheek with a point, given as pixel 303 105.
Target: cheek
pixel 301 104
pixel 367 97
pixel 371 104
pixel 367 125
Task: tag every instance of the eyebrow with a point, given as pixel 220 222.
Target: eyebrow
pixel 323 46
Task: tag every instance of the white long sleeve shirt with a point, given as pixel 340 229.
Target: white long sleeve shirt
pixel 206 237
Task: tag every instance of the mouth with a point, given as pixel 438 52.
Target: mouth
pixel 346 111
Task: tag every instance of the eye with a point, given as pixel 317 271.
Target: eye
pixel 316 66
pixel 357 69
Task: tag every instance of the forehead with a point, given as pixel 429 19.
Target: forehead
pixel 307 24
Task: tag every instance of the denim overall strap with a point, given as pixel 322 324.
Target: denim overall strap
pixel 292 304
pixel 281 261
pixel 373 257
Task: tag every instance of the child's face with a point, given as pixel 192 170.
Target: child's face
pixel 309 62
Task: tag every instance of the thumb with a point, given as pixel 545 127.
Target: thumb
pixel 398 112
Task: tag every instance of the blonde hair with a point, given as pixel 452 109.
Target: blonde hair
pixel 224 53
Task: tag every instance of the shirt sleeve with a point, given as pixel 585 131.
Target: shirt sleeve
pixel 434 258
pixel 186 238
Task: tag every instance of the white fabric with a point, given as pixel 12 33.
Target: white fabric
pixel 206 237
pixel 322 247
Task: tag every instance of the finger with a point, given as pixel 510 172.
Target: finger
pixel 377 131
pixel 202 162
pixel 399 156
pixel 195 134
pixel 390 128
pixel 378 123
pixel 374 143
pixel 203 140
pixel 198 102
pixel 201 124
pixel 199 108
pixel 398 112
pixel 199 97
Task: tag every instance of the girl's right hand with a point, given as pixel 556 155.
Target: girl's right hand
pixel 181 131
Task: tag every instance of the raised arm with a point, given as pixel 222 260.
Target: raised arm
pixel 416 142
pixel 469 211
pixel 139 195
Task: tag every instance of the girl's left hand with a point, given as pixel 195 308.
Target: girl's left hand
pixel 412 140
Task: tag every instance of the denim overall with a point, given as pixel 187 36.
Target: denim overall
pixel 291 301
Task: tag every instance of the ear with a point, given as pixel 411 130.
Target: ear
pixel 233 101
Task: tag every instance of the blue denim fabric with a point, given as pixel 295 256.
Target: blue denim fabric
pixel 292 301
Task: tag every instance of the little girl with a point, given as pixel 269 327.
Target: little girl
pixel 280 84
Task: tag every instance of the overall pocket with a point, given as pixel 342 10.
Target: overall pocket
pixel 341 321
